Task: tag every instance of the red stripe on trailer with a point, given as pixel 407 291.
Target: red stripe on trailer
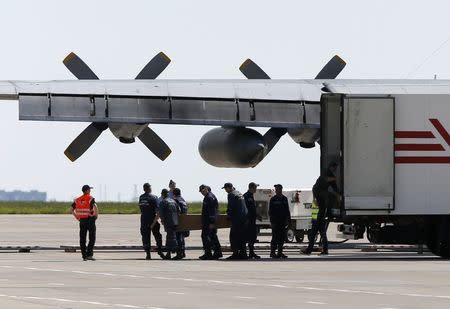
pixel 422 160
pixel 442 131
pixel 414 134
pixel 418 147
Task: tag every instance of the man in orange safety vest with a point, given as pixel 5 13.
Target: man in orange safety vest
pixel 84 209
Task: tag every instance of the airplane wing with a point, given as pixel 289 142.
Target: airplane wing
pixel 257 103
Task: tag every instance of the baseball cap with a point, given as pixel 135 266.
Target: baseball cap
pixel 253 185
pixel 278 186
pixel 86 187
pixel 164 192
pixel 227 185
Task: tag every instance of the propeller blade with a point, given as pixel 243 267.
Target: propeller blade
pixel 332 69
pixel 149 137
pixel 252 71
pixel 155 67
pixel 154 143
pixel 272 137
pixel 83 141
pixel 78 67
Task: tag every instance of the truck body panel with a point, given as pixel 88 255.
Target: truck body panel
pixel 393 152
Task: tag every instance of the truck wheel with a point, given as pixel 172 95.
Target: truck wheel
pixel 290 235
pixel 299 237
pixel 373 233
pixel 438 240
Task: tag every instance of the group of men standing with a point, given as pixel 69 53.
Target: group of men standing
pixel 167 207
pixel 241 212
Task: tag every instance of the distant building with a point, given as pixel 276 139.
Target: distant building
pixel 17 195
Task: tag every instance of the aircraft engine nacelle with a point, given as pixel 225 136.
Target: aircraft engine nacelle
pixel 305 137
pixel 232 147
pixel 126 132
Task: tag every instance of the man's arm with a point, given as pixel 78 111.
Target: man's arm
pixel 74 214
pixel 229 209
pixel 288 213
pixel 212 211
pixel 270 210
pixel 95 210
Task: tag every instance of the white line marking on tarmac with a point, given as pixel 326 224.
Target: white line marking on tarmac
pixel 243 283
pixel 315 303
pixel 56 284
pixel 30 297
pixel 162 278
pixel 247 283
pixel 106 274
pixel 418 295
pixel 310 288
pixel 116 288
pixel 96 303
pixel 245 297
pixel 277 286
pixel 80 272
pixel 64 300
pixel 176 293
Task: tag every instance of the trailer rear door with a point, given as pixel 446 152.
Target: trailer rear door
pixel 368 153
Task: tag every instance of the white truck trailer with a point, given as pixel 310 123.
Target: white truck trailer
pixel 393 153
pixel 300 201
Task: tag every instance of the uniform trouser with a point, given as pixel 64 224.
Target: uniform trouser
pixel 278 236
pixel 87 225
pixel 238 238
pixel 210 240
pixel 146 232
pixel 171 238
pixel 252 233
pixel 180 240
pixel 318 226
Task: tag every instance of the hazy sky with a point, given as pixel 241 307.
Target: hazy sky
pixel 204 39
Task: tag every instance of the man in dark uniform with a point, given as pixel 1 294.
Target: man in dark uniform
pixel 85 210
pixel 237 214
pixel 319 224
pixel 210 211
pixel 280 217
pixel 325 192
pixel 252 231
pixel 182 209
pixel 148 204
pixel 168 212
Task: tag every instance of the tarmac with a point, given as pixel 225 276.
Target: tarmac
pixel 347 278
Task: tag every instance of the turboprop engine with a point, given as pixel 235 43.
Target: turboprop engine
pixel 305 137
pixel 233 147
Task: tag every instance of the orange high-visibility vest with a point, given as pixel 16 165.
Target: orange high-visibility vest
pixel 83 206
